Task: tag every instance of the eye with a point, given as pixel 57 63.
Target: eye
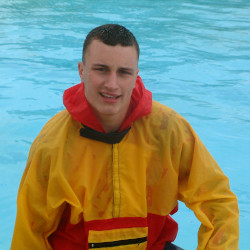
pixel 100 69
pixel 125 72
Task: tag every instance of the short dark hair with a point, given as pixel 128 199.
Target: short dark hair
pixel 111 34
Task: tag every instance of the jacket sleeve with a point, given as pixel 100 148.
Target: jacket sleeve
pixel 204 188
pixel 37 214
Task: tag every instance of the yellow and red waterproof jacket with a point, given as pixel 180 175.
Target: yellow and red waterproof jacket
pixel 85 189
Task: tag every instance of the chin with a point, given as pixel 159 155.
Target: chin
pixel 109 112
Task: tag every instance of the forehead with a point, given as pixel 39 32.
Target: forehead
pixel 97 50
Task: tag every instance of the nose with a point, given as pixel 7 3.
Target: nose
pixel 111 80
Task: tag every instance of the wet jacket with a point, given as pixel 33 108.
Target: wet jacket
pixel 85 189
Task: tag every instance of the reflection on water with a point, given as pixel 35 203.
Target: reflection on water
pixel 194 58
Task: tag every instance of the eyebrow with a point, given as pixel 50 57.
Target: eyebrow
pixel 127 69
pixel 100 65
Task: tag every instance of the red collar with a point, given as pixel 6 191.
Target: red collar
pixel 75 102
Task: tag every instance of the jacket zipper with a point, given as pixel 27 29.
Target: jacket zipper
pixel 118 243
pixel 116 181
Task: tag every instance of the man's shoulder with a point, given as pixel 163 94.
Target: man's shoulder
pixel 160 110
pixel 156 106
pixel 57 121
pixel 164 117
pixel 55 129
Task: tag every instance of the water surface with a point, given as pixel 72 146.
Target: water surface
pixel 195 58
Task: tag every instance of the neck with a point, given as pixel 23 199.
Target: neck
pixel 111 123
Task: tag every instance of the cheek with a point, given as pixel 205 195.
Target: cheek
pixel 128 91
pixel 85 77
pixel 92 80
pixel 91 89
pixel 130 86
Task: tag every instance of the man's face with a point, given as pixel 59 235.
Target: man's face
pixel 109 74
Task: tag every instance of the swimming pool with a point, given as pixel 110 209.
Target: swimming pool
pixel 195 58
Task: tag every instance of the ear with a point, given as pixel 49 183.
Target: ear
pixel 137 71
pixel 80 70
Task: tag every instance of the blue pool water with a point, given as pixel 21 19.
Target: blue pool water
pixel 195 58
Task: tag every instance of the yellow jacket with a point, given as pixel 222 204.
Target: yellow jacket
pixel 123 191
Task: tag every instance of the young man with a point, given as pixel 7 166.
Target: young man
pixel 108 171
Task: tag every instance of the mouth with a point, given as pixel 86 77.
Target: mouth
pixel 109 96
